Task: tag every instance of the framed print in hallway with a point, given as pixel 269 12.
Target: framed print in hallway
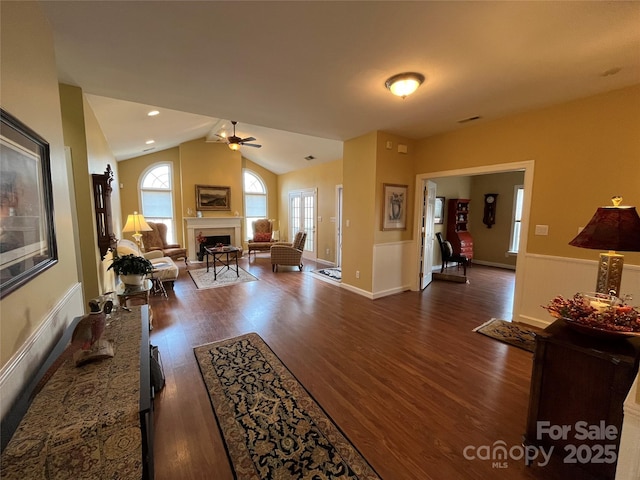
pixel 27 235
pixel 394 207
pixel 438 211
pixel 211 197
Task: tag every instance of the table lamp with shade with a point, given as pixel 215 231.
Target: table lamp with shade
pixel 136 223
pixel 613 228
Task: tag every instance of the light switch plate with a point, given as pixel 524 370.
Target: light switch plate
pixel 542 229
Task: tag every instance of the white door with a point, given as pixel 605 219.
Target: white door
pixel 427 233
pixel 338 220
pixel 302 216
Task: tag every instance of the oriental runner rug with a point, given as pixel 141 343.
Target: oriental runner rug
pixel 515 334
pixel 272 427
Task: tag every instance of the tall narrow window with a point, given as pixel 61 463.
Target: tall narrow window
pixel 156 197
pixel 255 200
pixel 518 198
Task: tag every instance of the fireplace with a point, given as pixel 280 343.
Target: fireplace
pixel 211 241
pixel 211 227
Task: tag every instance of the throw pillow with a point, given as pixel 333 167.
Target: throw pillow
pixel 262 237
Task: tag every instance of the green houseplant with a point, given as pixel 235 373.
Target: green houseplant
pixel 131 268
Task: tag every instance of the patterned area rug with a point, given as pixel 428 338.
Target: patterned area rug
pixel 515 334
pixel 272 427
pixel 204 279
pixel 332 273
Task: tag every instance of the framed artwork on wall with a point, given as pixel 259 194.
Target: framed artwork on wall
pixel 213 197
pixel 438 211
pixel 394 207
pixel 27 235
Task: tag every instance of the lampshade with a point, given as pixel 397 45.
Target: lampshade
pixel 234 146
pixel 136 223
pixel 404 84
pixel 611 228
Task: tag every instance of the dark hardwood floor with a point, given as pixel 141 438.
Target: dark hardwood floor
pixel 404 376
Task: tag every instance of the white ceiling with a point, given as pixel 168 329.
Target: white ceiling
pixel 304 76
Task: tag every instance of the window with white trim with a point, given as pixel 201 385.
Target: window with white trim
pixel 156 197
pixel 255 200
pixel 516 221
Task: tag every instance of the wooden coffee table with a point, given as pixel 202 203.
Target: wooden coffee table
pixel 226 256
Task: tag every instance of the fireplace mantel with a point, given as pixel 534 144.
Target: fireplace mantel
pixel 208 225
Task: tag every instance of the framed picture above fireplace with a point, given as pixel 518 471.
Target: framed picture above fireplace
pixel 213 197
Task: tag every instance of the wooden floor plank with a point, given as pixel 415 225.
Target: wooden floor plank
pixel 403 376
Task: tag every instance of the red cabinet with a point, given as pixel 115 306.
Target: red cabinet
pixel 457 233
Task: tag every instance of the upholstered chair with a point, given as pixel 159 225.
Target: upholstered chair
pixel 261 240
pixel 288 254
pixel 156 239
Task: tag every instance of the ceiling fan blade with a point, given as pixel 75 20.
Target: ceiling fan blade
pixel 248 139
pixel 250 145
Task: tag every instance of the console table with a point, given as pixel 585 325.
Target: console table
pixel 579 384
pixel 93 421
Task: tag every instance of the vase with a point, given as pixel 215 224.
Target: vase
pixel 132 279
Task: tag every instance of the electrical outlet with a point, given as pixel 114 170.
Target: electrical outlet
pixel 357 273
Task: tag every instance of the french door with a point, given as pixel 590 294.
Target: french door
pixel 302 217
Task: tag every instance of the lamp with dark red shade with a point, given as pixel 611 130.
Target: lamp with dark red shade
pixel 611 228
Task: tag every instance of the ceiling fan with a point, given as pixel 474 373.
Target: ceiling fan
pixel 235 142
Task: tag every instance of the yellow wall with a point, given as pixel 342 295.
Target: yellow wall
pixel 398 169
pixel 585 151
pixel 130 173
pixel 359 181
pixel 491 244
pixel 324 178
pixel 29 91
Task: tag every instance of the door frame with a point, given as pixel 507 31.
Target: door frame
pixel 527 167
pixel 338 222
pixel 308 254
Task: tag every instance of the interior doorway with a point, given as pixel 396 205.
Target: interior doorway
pixel 527 167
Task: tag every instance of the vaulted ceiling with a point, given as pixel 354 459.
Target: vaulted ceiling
pixel 304 76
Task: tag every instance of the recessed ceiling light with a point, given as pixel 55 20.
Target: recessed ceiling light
pixel 149 142
pixel 153 113
pixel 404 84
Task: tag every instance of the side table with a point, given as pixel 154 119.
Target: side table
pixel 217 253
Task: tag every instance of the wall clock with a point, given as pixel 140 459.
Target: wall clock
pixel 490 200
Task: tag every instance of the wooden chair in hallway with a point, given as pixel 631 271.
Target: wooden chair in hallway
pixel 448 256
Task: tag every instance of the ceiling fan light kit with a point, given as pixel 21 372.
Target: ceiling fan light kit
pixel 234 142
pixel 404 84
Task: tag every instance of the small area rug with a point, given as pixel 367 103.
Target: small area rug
pixel 272 427
pixel 204 279
pixel 514 334
pixel 332 273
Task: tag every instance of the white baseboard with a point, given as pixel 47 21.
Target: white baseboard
pixel 15 374
pixel 493 264
pixel 357 290
pixel 325 262
pixel 390 291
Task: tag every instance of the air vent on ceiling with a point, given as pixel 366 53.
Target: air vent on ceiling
pixel 470 119
pixel 308 158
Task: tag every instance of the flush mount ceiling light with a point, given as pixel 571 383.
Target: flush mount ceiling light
pixel 404 84
pixel 153 113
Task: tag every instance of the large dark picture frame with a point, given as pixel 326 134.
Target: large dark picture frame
pixel 27 233
pixel 213 197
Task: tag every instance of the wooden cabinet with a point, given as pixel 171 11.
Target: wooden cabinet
pixel 457 232
pixel 579 384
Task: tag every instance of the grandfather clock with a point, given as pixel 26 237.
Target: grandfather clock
pixel 102 207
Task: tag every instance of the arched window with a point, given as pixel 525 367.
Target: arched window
pixel 255 200
pixel 156 197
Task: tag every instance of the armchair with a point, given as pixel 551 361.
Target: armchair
pixel 448 256
pixel 288 254
pixel 156 239
pixel 262 236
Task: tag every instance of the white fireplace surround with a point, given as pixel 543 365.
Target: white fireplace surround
pixel 210 226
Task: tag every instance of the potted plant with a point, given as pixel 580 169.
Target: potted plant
pixel 131 268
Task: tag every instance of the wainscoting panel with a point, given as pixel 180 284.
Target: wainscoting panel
pixel 543 277
pixel 389 274
pixel 25 363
